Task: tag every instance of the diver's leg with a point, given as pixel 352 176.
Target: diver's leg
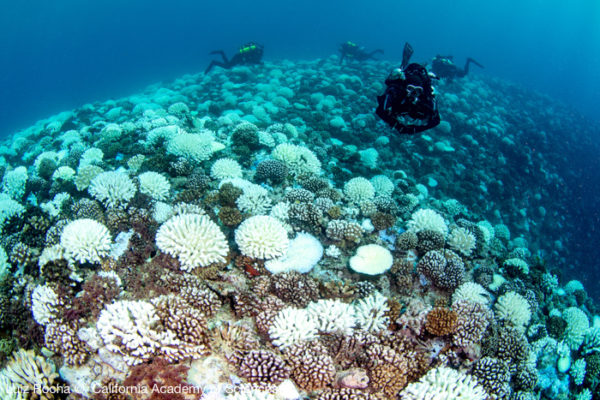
pixel 222 54
pixel 469 61
pixel 215 64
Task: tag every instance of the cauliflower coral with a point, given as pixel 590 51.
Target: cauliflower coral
pixel 193 239
pixel 85 240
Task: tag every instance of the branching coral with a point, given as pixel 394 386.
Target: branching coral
pixel 194 239
pixel 312 368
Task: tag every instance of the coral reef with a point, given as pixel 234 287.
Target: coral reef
pixel 231 234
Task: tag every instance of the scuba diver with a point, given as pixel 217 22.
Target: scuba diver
pixel 248 54
pixel 352 50
pixel 444 67
pixel 408 104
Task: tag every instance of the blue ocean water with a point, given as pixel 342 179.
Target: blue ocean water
pixel 59 55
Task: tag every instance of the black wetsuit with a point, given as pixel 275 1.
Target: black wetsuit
pixel 250 53
pixel 443 67
pixel 358 53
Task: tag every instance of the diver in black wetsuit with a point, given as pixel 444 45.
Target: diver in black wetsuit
pixel 358 53
pixel 444 67
pixel 250 53
pixel 408 104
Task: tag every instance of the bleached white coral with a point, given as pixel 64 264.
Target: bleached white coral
pixel 4 265
pixel 9 208
pixel 64 174
pixel 255 200
pixel 154 185
pixel 427 220
pixel 332 316
pixel 333 251
pixel 262 236
pixel 299 159
pixel 462 241
pixel 51 254
pixel 577 371
pixel 473 292
pixel 290 326
pixel 245 394
pixel 114 189
pixel 192 146
pixel 371 259
pixel 162 212
pixel 91 156
pixel 162 133
pixel 513 308
pixel 85 240
pixel 371 313
pixel 443 383
pixel 127 328
pixel 225 168
pixel 383 185
pixel 13 183
pixel 9 390
pixel 577 326
pixel 30 373
pixel 193 239
pixel 487 229
pixel 573 286
pixel 54 207
pixel 280 211
pixel 45 304
pixel 85 175
pixel 303 253
pixel 359 190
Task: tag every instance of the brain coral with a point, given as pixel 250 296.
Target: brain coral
pixel 262 236
pixel 85 240
pixel 194 239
